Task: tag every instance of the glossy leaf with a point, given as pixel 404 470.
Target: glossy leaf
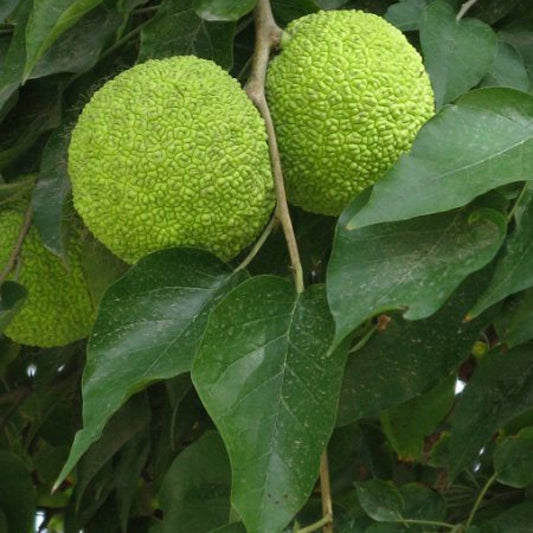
pixel 500 389
pixel 176 29
pixel 12 298
pixel 407 358
pixel 147 329
pixel 457 53
pixel 17 497
pixel 266 377
pixel 381 500
pixel 513 459
pixel 217 10
pixel 195 494
pixel 413 265
pixel 407 425
pixel 48 20
pixel 513 272
pixel 481 142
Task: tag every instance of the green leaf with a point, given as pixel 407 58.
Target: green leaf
pixel 195 494
pixel 48 20
pixel 513 272
pixel 457 53
pixel 50 192
pixel 413 264
pixel 508 69
pixel 515 324
pixel 386 528
pixel 422 503
pixel 408 358
pixel 12 298
pixel 520 37
pixel 481 142
pixel 513 459
pixel 16 190
pixel 287 10
pixel 147 329
pixel 381 500
pixel 492 10
pixel 500 389
pixel 217 10
pixel 17 497
pixel 177 30
pixel 6 8
pixel 236 527
pixel 406 15
pixel 407 425
pixel 517 519
pixel 265 375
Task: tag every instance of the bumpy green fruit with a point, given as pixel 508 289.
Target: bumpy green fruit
pixel 59 308
pixel 348 94
pixel 171 152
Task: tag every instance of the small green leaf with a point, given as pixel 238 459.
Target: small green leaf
pixel 217 10
pixel 266 376
pixel 457 53
pixel 17 497
pixel 513 459
pixel 407 425
pixel 48 20
pixel 381 500
pixel 413 265
pixel 147 329
pixel 177 30
pixel 500 389
pixel 481 142
pixel 12 298
pixel 195 494
pixel 422 503
pixel 513 272
pixel 406 15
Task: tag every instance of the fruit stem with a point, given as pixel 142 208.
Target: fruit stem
pixel 12 261
pixel 257 246
pixel 267 38
pixel 464 8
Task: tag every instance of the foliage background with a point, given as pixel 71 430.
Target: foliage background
pixel 424 280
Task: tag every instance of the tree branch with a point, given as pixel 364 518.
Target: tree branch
pixel 268 36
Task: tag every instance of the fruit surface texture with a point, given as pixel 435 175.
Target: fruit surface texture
pixel 59 308
pixel 171 153
pixel 348 94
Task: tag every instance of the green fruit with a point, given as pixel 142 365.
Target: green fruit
pixel 348 94
pixel 171 153
pixel 59 308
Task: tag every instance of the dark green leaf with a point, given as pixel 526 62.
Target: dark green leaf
pixel 177 30
pixel 17 190
pixel 515 324
pixel 147 329
pixel 195 495
pixel 6 8
pixel 508 69
pixel 406 15
pixel 236 527
pixel 133 417
pixel 492 10
pixel 12 298
pixel 266 377
pixel 521 39
pixel 422 503
pixel 381 500
pixel 407 425
pixel 386 528
pixel 217 10
pixel 517 519
pixel 500 389
pixel 457 53
pixel 287 10
pixel 48 20
pixel 513 459
pixel 407 358
pixel 413 265
pixel 17 497
pixel 513 272
pixel 483 141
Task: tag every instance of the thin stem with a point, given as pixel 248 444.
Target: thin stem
pixel 325 492
pixel 12 261
pixel 518 201
pixel 427 523
pixel 268 35
pixel 479 499
pixel 324 521
pixel 464 8
pixel 259 243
